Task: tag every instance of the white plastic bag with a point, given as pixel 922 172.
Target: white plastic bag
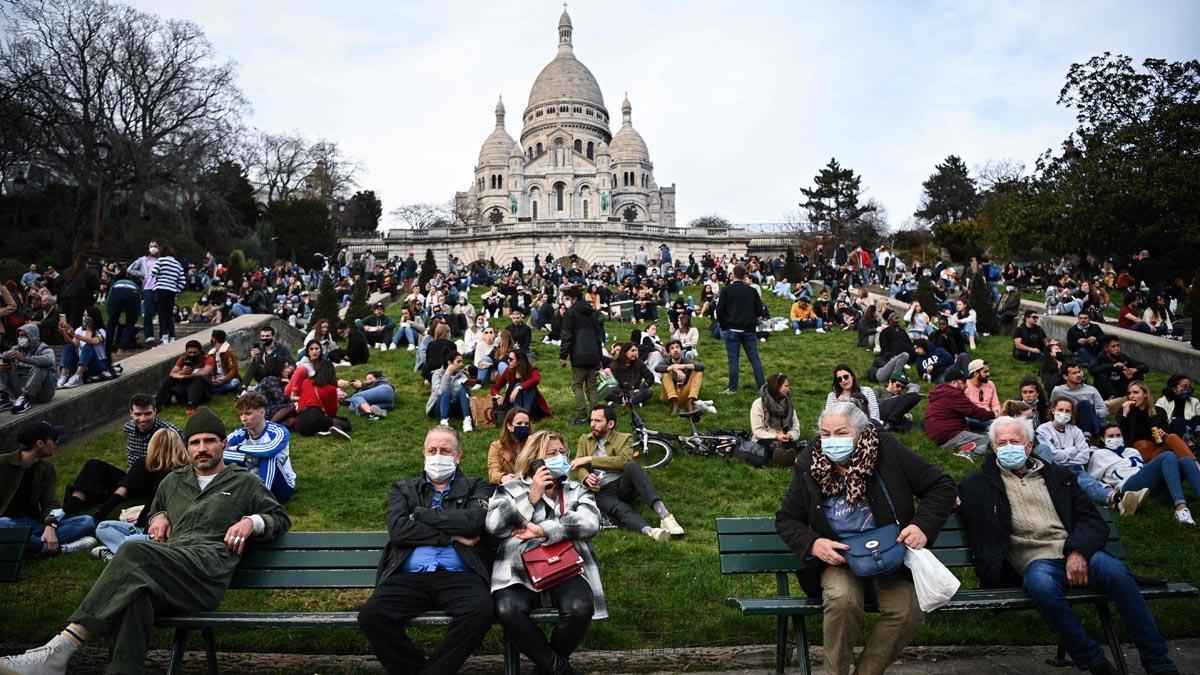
pixel 935 584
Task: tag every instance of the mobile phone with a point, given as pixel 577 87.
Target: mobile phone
pixel 537 464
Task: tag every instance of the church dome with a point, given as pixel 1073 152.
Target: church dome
pixel 627 143
pixel 565 77
pixel 498 146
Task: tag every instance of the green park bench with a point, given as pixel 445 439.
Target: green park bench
pixel 306 560
pixel 751 546
pixel 12 547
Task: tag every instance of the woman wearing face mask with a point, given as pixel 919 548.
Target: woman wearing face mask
pixel 545 507
pixel 1182 409
pixel 1123 468
pixel 502 453
pixel 1068 448
pixel 84 357
pixel 1034 394
pixel 837 490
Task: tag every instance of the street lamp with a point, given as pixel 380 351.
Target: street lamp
pixel 103 146
pixel 18 186
pixel 1072 154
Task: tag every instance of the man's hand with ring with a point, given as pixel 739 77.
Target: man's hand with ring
pixel 237 535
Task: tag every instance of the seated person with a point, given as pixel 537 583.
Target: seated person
pixel 204 312
pixel 932 361
pixel 948 337
pixel 604 462
pixel 1181 407
pixel 378 327
pixel 316 397
pixel 1045 550
pixel 894 340
pixel 1066 446
pixel 357 350
pixel 85 351
pixel 1029 340
pixel 432 563
pixel 411 328
pixel 372 397
pixel 225 364
pixel 896 400
pixel 634 379
pixel 681 378
pixel 803 316
pixel 262 447
pixel 518 386
pixel 919 325
pixel 1083 339
pixel 46 318
pixel 503 452
pixel 845 385
pixel 164 454
pixel 946 416
pixel 189 380
pixel 980 388
pixel 448 394
pixel 1145 425
pixel 773 420
pixel 1113 372
pixel 1090 408
pixel 27 489
pixel 521 333
pixel 267 347
pixel 1122 468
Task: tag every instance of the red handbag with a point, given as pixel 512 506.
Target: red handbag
pixel 549 565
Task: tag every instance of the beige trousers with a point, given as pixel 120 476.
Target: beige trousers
pixel 899 619
pixel 689 390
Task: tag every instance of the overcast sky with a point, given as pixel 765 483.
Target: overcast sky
pixel 739 102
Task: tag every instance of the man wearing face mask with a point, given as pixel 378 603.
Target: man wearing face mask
pixel 604 462
pixel 1029 524
pixel 432 562
pixel 26 372
pixel 266 348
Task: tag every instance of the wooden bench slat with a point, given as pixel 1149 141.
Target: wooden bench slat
pixel 15 535
pixel 311 559
pixel 221 619
pixel 12 552
pixel 325 540
pixel 324 578
pixel 749 563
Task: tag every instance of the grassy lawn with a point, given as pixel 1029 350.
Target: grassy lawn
pixel 659 595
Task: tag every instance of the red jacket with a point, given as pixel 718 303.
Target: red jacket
pixel 508 379
pixel 947 411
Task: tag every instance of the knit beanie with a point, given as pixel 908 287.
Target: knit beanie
pixel 204 421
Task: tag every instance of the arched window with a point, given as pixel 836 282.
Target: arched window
pixel 559 190
pixel 590 148
pixel 534 193
pixel 578 146
pixel 614 180
pixel 535 214
pixel 531 152
pixel 539 148
pixel 585 208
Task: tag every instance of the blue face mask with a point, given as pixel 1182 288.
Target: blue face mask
pixel 1011 456
pixel 559 465
pixel 521 433
pixel 837 448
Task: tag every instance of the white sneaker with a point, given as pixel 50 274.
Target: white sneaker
pixel 797 331
pixel 468 425
pixel 49 659
pixel 379 411
pixel 73 382
pixel 820 330
pixel 671 525
pixel 658 534
pixel 391 347
pixel 1130 501
pixel 62 380
pixel 78 545
pixel 342 364
pixel 410 348
pixel 1184 516
pixel 339 432
pixel 476 386
pixel 445 423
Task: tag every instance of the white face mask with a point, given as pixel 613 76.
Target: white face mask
pixel 22 342
pixel 1063 418
pixel 153 250
pixel 439 468
pixel 1114 443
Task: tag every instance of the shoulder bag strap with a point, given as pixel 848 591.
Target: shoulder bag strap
pixel 887 496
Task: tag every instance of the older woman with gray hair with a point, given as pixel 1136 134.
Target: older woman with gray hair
pixel 852 480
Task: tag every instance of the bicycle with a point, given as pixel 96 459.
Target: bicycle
pixel 653 449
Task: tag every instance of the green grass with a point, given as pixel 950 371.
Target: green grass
pixel 658 595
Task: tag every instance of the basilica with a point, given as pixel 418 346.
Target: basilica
pixel 568 167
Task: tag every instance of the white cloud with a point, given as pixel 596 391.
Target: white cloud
pixel 740 103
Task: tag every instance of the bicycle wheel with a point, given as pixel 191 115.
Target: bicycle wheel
pixel 653 453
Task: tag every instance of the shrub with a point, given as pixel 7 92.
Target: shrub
pixel 980 299
pixel 236 269
pixel 358 308
pixel 327 303
pixel 428 268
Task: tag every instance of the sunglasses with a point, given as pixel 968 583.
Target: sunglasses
pixel 844 378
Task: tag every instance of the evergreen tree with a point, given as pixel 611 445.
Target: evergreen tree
pixel 428 268
pixel 236 268
pixel 925 296
pixel 1191 308
pixel 358 308
pixel 833 201
pixel 980 300
pixel 327 303
pixel 791 268
pixel 950 193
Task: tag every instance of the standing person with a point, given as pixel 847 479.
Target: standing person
pixel 545 507
pixel 195 545
pixel 738 309
pixel 78 289
pixel 850 481
pixel 604 462
pixel 168 283
pixel 502 453
pixel 262 447
pixel 123 299
pixel 28 495
pixel 431 562
pixel 582 337
pixel 1029 524
pixel 142 269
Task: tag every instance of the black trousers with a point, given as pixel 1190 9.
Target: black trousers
pixel 97 480
pixel 402 596
pixel 164 303
pixel 192 392
pixel 574 602
pixel 312 420
pixel 616 499
pixel 635 397
pixel 893 409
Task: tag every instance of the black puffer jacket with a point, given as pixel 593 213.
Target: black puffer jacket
pixel 412 523
pixel 582 335
pixel 988 518
pixel 800 520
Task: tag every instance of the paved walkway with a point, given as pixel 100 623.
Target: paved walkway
pixel 701 661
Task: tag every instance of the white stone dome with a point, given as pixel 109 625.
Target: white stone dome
pixel 565 77
pixel 627 143
pixel 498 146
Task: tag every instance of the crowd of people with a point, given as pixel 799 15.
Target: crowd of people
pixel 459 543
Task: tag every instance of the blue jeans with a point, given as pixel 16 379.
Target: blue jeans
pixel 1086 357
pixel 149 310
pixel 1086 418
pixel 382 395
pixel 85 356
pixel 747 340
pixel 229 386
pixel 1045 581
pixel 405 335
pixel 1099 492
pixel 113 533
pixel 447 402
pixel 808 323
pixel 980 426
pixel 1166 470
pixel 69 530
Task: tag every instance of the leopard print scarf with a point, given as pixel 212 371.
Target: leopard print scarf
pixel 861 467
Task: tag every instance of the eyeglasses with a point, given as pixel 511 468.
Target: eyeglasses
pixel 844 377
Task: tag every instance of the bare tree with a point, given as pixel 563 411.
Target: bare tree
pixel 997 172
pixel 419 216
pixel 278 163
pixel 333 174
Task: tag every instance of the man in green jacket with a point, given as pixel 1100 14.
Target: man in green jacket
pixel 29 494
pixel 202 517
pixel 378 327
pixel 604 461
